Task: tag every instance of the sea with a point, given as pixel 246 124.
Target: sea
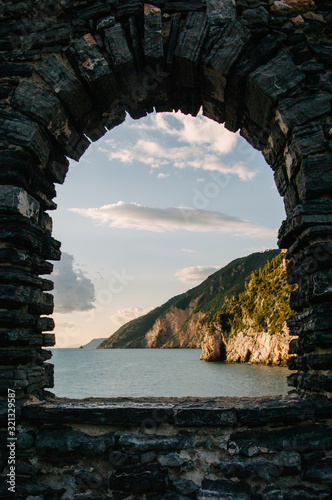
pixel 82 373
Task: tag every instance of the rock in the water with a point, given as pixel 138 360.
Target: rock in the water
pixel 213 347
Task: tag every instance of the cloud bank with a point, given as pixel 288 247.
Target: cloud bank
pixel 180 141
pixel 135 216
pixel 195 274
pixel 72 290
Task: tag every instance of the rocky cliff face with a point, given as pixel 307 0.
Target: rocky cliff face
pixel 259 348
pixel 247 347
pixel 176 328
pixel 214 347
pixel 252 327
pixel 238 315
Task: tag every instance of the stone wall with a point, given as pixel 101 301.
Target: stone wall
pixel 69 71
pixel 176 449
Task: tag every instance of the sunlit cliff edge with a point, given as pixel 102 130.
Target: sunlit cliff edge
pixel 237 314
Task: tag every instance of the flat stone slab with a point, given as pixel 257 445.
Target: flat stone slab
pixel 192 412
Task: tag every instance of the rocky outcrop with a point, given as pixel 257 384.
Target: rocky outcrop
pixel 247 347
pixel 252 327
pixel 259 347
pixel 214 347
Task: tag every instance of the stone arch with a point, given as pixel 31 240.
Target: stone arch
pixel 71 71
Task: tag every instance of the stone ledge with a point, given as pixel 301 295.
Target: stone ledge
pixel 190 412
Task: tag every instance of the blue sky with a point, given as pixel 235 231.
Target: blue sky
pixel 151 210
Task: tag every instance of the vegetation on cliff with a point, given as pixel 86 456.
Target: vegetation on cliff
pixel 182 321
pixel 264 304
pixel 252 325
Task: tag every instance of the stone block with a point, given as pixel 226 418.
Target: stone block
pixel 221 53
pixel 170 460
pixel 311 382
pixel 267 84
pixel 153 39
pixel 291 201
pixel 51 248
pixel 17 319
pixel 89 63
pixel 272 411
pixel 220 11
pixel 127 8
pixel 323 53
pixel 48 340
pixel 19 231
pixel 46 109
pixel 184 5
pixel 251 468
pixel 17 201
pixel 65 441
pixel 14 296
pixel 139 479
pixel 189 48
pixel 155 442
pixel 263 443
pixel 317 257
pixel 109 413
pixel 185 487
pixel 191 416
pixel 119 52
pixel 45 325
pixel 171 32
pixel 295 111
pixel 265 50
pixel 257 18
pixel 281 180
pixel 307 139
pixel 66 86
pixel 20 338
pixel 58 34
pixel 222 488
pixel 312 217
pixel 309 179
pixel 19 130
pixel 10 69
pixel 315 319
pixel 319 361
pixel 16 275
pixel 136 43
pixel 22 356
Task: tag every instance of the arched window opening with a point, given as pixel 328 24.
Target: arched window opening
pixel 152 209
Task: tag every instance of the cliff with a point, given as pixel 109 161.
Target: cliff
pixel 182 321
pixel 252 326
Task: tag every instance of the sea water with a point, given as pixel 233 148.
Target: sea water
pixel 81 373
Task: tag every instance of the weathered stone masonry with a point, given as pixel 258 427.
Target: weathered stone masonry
pixel 70 70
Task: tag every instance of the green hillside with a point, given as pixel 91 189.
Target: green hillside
pixel 210 296
pixel 264 304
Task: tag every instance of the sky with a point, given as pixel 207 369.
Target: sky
pixel 150 210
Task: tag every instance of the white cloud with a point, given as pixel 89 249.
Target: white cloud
pixel 196 143
pixel 162 176
pixel 195 274
pixel 192 130
pixel 136 216
pixel 188 250
pixel 72 290
pixel 122 316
